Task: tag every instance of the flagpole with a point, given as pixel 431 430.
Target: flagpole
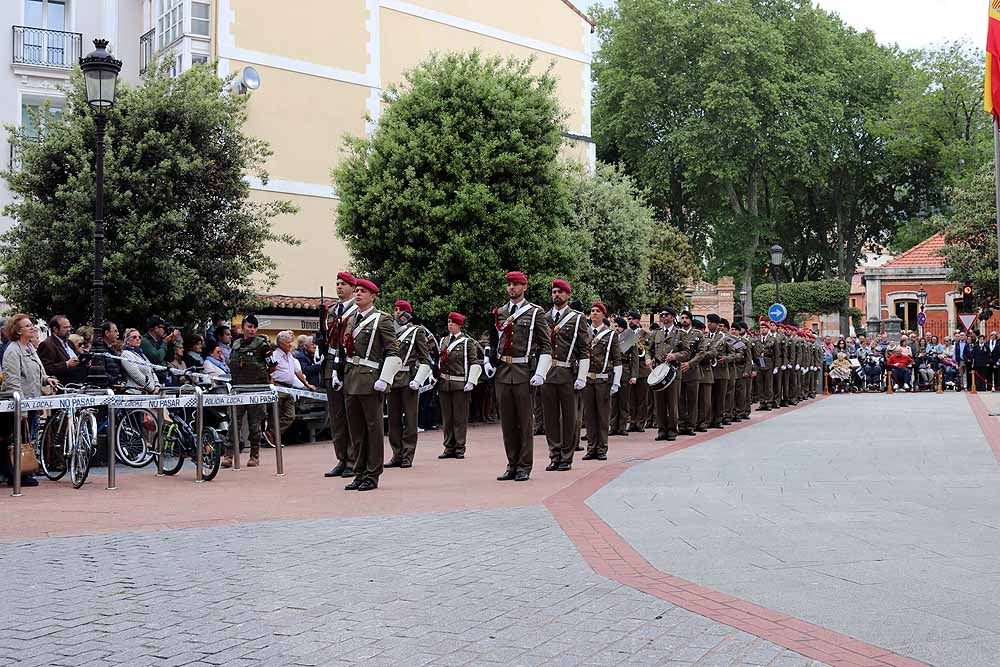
pixel 996 171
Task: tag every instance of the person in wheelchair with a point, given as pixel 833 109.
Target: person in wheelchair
pixel 873 370
pixel 840 373
pixel 927 365
pixel 901 365
pixel 949 372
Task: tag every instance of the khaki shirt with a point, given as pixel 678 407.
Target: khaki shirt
pixel 665 343
pixel 413 350
pixel 530 326
pixel 605 354
pixel 695 343
pixel 456 363
pixel 570 344
pixel 380 333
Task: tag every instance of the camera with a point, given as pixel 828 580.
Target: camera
pixel 85 357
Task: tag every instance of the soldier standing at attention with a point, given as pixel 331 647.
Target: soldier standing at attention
pixel 521 331
pixel 639 390
pixel 460 363
pixel 720 369
pixel 745 374
pixel 732 368
pixel 333 376
pixel 403 399
pixel 248 365
pixel 604 380
pixel 570 337
pixel 620 401
pixel 690 371
pixel 372 363
pixel 707 379
pixel 667 346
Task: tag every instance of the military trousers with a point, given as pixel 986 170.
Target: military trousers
pixel 537 418
pixel 619 409
pixel 559 408
pixel 730 413
pixel 454 419
pixel 742 404
pixel 666 404
pixel 705 403
pixel 689 405
pixel 364 414
pixel 403 408
pixel 719 388
pixel 596 398
pixel 255 415
pixel 343 446
pixel 765 387
pixel 638 408
pixel 514 403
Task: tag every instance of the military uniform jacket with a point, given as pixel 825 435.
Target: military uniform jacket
pixel 605 354
pixel 570 336
pixel 630 363
pixel 368 341
pixel 456 356
pixel 522 333
pixel 248 361
pixel 643 340
pixel 413 351
pixel 770 351
pixel 694 341
pixel 336 332
pixel 708 358
pixel 717 343
pixel 664 342
pixel 745 365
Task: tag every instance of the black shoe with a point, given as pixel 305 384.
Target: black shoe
pixel 337 471
pixel 602 457
pixel 701 429
pixel 448 455
pixel 353 486
pixel 583 437
pixel 406 464
pixel 589 456
pixel 660 437
pixel 552 466
pixel 632 428
pixel 28 481
pixel 563 467
pixel 764 408
pixel 394 463
pixel 671 437
pixel 507 476
pixel 367 485
pixel 521 477
pixel 579 448
pixel 459 456
pixel 718 426
pixel 348 472
pixel 686 431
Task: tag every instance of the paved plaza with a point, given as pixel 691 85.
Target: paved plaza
pixel 853 530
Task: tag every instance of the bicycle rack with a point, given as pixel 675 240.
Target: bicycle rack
pixel 234 428
pixel 112 436
pixel 16 444
pixel 198 427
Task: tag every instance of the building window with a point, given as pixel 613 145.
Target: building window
pixel 907 311
pixel 170 21
pixel 200 18
pixel 854 303
pixel 197 59
pixel 44 40
pixel 36 113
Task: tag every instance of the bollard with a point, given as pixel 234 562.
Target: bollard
pixel 826 384
pixel 234 430
pixel 940 381
pixel 199 429
pixel 16 445
pixel 276 429
pixel 972 383
pixel 159 442
pixel 888 380
pixel 112 441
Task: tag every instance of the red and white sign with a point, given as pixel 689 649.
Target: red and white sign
pixel 967 320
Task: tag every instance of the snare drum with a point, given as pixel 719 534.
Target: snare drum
pixel 661 377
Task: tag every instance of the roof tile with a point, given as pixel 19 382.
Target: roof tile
pixel 925 253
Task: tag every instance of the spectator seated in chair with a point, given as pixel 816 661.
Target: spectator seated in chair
pixel 901 365
pixel 840 373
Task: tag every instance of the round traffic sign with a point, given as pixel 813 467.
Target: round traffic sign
pixel 777 312
pixel 921 319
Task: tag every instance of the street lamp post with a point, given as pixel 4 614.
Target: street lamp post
pixel 100 71
pixel 922 296
pixel 743 303
pixel 777 255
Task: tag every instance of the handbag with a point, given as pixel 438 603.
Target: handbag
pixel 29 462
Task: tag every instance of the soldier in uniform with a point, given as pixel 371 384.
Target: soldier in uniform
pixel 403 399
pixel 707 381
pixel 620 401
pixel 745 374
pixel 460 363
pixel 639 390
pixel 333 376
pixel 720 371
pixel 690 378
pixel 248 364
pixel 372 363
pixel 570 337
pixel 768 356
pixel 728 414
pixel 667 346
pixel 604 380
pixel 522 331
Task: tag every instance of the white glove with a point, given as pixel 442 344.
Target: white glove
pixel 488 367
pixel 414 385
pixel 614 389
pixel 775 371
pixel 536 380
pixel 335 382
pixel 579 384
pixel 797 367
pixel 380 385
pixel 469 386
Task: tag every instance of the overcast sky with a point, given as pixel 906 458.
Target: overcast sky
pixel 909 23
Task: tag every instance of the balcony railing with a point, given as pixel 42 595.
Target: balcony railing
pixel 46 48
pixel 147 47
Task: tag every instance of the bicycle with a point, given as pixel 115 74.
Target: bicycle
pixel 180 442
pixel 68 442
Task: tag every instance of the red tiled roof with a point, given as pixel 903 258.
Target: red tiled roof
pixel 579 13
pixel 925 253
pixel 281 301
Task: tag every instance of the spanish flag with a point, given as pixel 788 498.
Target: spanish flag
pixel 991 92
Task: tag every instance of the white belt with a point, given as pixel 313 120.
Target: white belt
pixel 408 367
pixel 563 364
pixel 358 361
pixel 597 376
pixel 456 378
pixel 514 360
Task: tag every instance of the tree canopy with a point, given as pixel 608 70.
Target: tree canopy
pixel 821 296
pixel 971 237
pixel 183 237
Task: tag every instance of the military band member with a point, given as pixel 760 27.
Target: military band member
pixel 690 375
pixel 720 369
pixel 460 363
pixel 745 374
pixel 667 347
pixel 522 331
pixel 788 367
pixel 620 401
pixel 403 399
pixel 570 338
pixel 731 370
pixel 604 380
pixel 372 362
pixel 333 376
pixel 707 379
pixel 248 365
pixel 639 390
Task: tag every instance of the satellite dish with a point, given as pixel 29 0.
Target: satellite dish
pixel 249 79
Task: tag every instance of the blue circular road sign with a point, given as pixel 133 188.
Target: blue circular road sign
pixel 777 312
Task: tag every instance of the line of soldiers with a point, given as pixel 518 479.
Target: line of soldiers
pixel 582 369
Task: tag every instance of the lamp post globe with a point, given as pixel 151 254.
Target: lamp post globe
pixel 777 254
pixel 100 72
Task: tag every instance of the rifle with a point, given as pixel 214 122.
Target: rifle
pixel 322 334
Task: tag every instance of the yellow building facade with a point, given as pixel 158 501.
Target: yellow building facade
pixel 323 65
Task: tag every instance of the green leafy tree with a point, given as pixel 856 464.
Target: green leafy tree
pixel 971 236
pixel 183 237
pixel 618 224
pixel 459 183
pixel 821 296
pixel 672 266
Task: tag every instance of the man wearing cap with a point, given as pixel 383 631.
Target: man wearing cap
pixel 744 373
pixel 521 331
pixel 690 371
pixel 460 363
pixel 403 399
pixel 638 387
pixel 372 362
pixel 667 346
pixel 604 380
pixel 735 352
pixel 720 370
pixel 570 338
pixel 248 365
pixel 707 378
pixel 619 419
pixel 334 364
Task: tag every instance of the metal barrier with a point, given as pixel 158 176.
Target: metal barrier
pixel 258 394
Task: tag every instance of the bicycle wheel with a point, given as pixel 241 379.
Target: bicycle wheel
pixel 52 448
pixel 83 452
pixel 173 450
pixel 211 455
pixel 135 439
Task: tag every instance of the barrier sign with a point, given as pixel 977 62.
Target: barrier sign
pixel 777 312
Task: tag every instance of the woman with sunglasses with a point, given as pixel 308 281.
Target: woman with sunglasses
pixel 136 367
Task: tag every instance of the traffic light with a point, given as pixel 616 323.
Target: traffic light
pixel 967 289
